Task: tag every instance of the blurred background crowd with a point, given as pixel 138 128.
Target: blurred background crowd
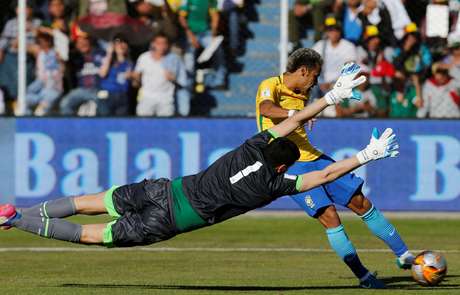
pixel 169 57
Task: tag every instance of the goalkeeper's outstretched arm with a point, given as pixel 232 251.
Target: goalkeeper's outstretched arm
pixel 291 123
pixel 378 148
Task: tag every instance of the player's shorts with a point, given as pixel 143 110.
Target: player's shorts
pixel 143 212
pixel 339 191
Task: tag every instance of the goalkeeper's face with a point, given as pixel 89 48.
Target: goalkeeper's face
pixel 308 78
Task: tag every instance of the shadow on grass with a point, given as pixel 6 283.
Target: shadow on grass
pixel 205 287
pixel 401 282
pixel 250 288
pixel 410 284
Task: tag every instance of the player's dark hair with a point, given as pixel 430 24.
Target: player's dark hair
pixel 281 151
pixel 303 57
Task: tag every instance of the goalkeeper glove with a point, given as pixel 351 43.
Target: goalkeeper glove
pixel 379 147
pixel 343 87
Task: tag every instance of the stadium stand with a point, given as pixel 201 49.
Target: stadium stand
pixel 410 39
pixel 260 61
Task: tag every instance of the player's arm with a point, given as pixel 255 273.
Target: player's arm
pixel 266 102
pixel 343 89
pixel 378 148
pixel 270 110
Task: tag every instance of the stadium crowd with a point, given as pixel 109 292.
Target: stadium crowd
pixel 410 51
pixel 147 57
pixel 117 58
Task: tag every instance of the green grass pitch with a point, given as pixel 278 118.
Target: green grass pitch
pixel 247 255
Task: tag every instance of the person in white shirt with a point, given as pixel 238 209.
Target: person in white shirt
pixel 159 72
pixel 335 51
pixel 441 95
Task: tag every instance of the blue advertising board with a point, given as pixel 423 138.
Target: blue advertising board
pixel 58 157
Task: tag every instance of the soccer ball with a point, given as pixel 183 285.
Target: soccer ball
pixel 429 268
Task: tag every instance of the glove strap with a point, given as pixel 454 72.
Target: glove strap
pixel 330 98
pixel 363 157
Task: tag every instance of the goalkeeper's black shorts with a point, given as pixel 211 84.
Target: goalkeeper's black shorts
pixel 143 211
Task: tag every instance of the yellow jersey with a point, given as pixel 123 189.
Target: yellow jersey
pixel 273 89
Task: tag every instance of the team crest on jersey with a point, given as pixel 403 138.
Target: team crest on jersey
pixel 266 92
pixel 309 201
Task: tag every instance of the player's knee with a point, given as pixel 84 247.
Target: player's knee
pixel 360 204
pixel 91 234
pixel 328 217
pixel 90 204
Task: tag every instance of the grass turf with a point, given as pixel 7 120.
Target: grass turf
pixel 228 272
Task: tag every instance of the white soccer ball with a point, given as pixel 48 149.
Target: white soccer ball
pixel 429 268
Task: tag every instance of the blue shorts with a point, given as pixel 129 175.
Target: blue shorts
pixel 339 191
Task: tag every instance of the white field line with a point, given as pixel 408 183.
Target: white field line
pixel 347 214
pixel 198 249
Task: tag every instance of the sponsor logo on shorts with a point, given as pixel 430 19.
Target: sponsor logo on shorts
pixel 309 201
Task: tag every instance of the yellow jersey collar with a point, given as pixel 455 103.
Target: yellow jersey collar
pixel 287 90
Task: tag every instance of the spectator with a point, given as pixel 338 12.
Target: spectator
pixel 161 73
pixel 232 15
pixel 85 65
pixel 398 15
pixel 335 51
pixel 158 16
pixel 200 20
pixel 376 14
pixel 375 56
pixel 307 13
pixel 416 10
pixel 352 24
pixel 9 48
pixel 114 85
pixel 99 7
pixel 434 32
pixel 404 102
pixel 441 95
pixel 413 58
pixel 364 108
pixel 57 20
pixel 47 87
pixel 70 9
pixel 452 61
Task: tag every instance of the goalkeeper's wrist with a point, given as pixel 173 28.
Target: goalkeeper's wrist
pixel 331 97
pixel 363 157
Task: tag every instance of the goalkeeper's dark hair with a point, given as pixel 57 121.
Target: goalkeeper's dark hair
pixel 281 151
pixel 303 57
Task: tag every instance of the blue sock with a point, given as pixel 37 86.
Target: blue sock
pixel 344 248
pixel 383 229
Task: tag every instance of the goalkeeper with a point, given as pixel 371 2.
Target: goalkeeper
pixel 246 178
pixel 281 97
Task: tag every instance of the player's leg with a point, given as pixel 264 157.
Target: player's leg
pixel 125 200
pixel 68 206
pixel 339 241
pixel 61 229
pixel 54 228
pixel 317 203
pixel 381 228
